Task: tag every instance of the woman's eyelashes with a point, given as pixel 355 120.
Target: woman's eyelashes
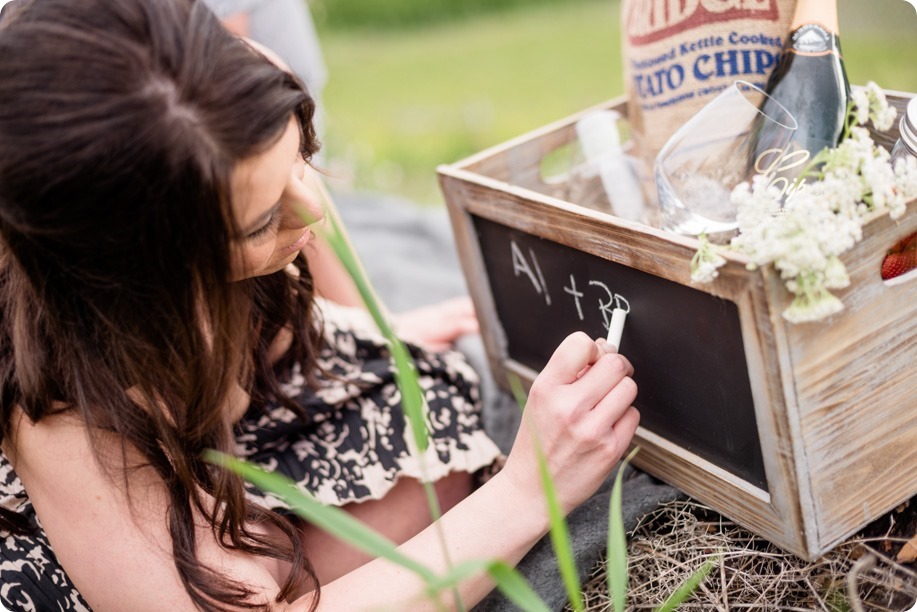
pixel 267 228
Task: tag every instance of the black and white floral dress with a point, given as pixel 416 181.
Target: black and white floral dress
pixel 355 446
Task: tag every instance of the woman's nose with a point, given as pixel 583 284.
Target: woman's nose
pixel 303 205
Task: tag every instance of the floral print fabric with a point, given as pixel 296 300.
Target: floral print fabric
pixel 355 446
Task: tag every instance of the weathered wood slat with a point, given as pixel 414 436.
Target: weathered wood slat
pixel 835 402
pixel 856 387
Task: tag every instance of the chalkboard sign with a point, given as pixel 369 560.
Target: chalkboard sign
pixel 686 345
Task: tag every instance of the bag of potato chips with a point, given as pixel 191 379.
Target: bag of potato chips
pixel 679 54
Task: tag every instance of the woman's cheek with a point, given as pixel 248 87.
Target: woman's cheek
pixel 249 261
pixel 259 258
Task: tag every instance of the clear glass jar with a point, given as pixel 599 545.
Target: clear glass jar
pixel 907 142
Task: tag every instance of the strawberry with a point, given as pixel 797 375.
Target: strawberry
pixel 896 264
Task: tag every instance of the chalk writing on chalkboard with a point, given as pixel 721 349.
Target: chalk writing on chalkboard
pixel 611 300
pixel 686 345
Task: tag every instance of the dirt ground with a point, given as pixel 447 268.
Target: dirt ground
pixel 668 545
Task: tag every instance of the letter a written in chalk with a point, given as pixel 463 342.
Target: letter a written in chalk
pixel 521 265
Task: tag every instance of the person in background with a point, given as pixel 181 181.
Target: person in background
pixel 157 299
pixel 285 27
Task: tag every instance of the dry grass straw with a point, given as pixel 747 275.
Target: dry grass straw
pixel 670 543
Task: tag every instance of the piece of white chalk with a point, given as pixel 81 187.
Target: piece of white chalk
pixel 616 327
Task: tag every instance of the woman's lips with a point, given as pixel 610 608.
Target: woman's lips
pixel 299 244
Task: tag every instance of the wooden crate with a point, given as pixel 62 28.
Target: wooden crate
pixel 832 405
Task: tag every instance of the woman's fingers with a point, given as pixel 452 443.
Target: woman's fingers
pixel 461 305
pixel 599 378
pixel 437 326
pixel 576 352
pixel 604 347
pixel 612 407
pixel 622 432
pixel 580 411
pixel 607 370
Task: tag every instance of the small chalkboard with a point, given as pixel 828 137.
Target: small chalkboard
pixel 686 345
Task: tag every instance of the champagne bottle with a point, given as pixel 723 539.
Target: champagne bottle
pixel 811 83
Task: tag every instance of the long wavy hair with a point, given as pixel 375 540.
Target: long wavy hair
pixel 120 124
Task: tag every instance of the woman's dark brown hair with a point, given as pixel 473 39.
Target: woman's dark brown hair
pixel 120 123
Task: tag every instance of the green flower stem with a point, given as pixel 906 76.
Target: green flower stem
pixel 849 121
pixel 818 158
pixel 812 300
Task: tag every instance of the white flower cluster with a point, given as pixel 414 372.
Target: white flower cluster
pixel 804 236
pixel 870 103
pixel 705 262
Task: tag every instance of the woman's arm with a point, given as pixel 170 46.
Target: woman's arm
pixel 579 410
pixel 498 521
pixel 119 555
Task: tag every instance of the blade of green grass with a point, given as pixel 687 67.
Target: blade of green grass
pixel 405 371
pixel 412 402
pixel 335 521
pixel 411 397
pixel 616 563
pixel 509 581
pixel 688 587
pixel 514 586
pixel 560 536
pixel 342 250
pixel 515 386
pixel 343 526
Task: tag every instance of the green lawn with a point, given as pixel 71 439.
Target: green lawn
pixel 401 101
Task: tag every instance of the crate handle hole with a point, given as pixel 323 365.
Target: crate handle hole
pixel 900 262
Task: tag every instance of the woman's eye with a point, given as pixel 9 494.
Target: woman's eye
pixel 265 229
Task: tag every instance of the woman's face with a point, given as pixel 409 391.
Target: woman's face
pixel 270 200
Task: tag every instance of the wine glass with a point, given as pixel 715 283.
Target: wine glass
pixel 713 152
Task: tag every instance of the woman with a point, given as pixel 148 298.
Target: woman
pixel 154 303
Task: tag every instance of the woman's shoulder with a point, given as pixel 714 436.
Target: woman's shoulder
pixel 33 446
pixel 29 569
pixel 52 434
pixel 58 459
pixel 54 457
pixel 104 508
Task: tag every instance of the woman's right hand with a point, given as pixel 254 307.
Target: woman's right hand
pixel 579 410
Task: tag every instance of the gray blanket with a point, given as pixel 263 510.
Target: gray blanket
pixel 410 257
